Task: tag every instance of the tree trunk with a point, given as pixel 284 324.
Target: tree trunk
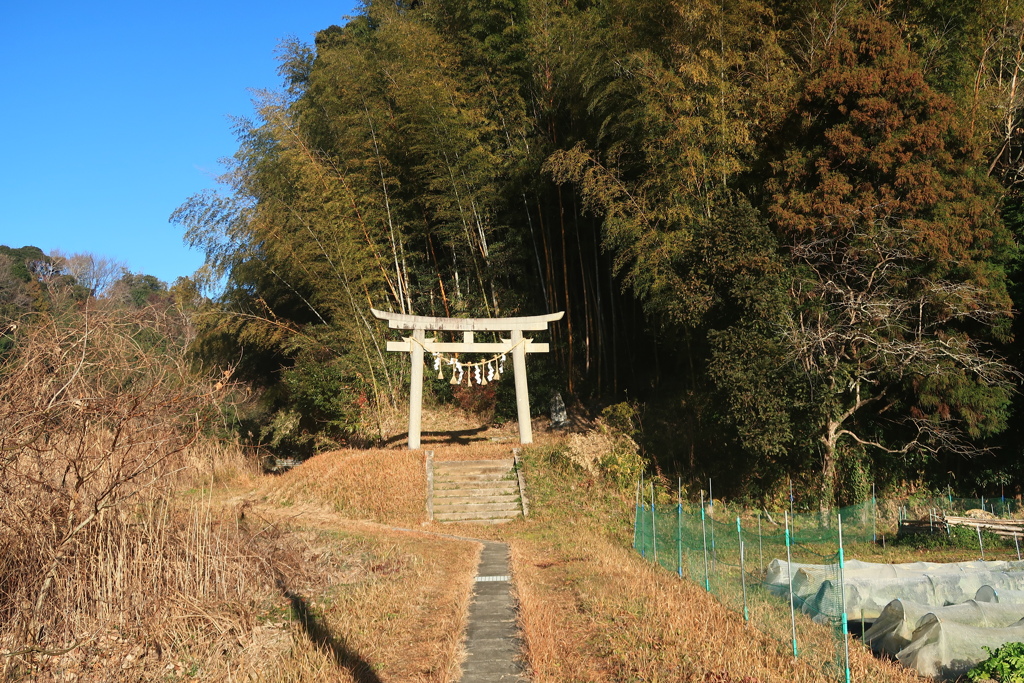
pixel 828 470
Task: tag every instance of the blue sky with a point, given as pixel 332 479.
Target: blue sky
pixel 115 112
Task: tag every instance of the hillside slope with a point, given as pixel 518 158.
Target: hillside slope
pixel 590 608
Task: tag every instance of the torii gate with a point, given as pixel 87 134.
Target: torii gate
pixel 517 345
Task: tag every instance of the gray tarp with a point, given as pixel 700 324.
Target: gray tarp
pixel 807 578
pixel 930 583
pixel 1002 595
pixel 944 650
pixel 866 596
pixel 895 626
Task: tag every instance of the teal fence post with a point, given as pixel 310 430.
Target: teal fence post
pixel 642 516
pixel 743 570
pixel 646 537
pixel 643 529
pixel 874 515
pixel 636 516
pixel 760 554
pixel 679 528
pixel 711 514
pixel 789 566
pixel 842 593
pixel 704 532
pixel 654 530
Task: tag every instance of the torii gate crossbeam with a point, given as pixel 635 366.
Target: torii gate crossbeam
pixel 517 345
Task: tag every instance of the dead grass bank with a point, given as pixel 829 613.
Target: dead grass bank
pixel 383 485
pixel 197 581
pixel 593 610
pixel 401 604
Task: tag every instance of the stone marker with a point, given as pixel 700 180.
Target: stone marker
pixel 559 418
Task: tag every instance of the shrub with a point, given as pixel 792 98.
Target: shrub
pixel 623 418
pixel 1005 665
pixel 962 537
pixel 476 399
pixel 93 417
pixel 623 464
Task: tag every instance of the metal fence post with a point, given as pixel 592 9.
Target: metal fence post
pixel 654 529
pixel 743 571
pixel 760 554
pixel 874 515
pixel 842 593
pixel 636 516
pixel 789 563
pixel 704 532
pixel 642 517
pixel 711 505
pixel 679 528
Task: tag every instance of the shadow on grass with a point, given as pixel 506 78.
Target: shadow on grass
pixel 459 437
pixel 321 636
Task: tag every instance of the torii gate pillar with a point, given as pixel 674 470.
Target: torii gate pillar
pixel 418 344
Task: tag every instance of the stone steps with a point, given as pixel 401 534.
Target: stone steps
pixel 499 485
pixel 503 506
pixel 473 498
pixel 483 491
pixel 494 517
pixel 473 478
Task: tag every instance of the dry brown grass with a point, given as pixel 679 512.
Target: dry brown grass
pixel 97 411
pixel 217 465
pixel 597 612
pixel 404 608
pixel 324 601
pixel 136 587
pixel 384 485
pixel 591 609
pixel 127 553
pixel 484 451
pixel 216 588
pixel 161 585
pixel 408 622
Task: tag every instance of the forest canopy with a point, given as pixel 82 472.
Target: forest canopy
pixel 785 231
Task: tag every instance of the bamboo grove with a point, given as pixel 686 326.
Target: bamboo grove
pixel 785 230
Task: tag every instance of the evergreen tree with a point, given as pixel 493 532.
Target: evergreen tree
pixel 897 252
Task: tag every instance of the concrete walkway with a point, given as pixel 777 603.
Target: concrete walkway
pixel 492 639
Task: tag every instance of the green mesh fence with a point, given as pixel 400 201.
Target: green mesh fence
pixel 747 560
pixel 745 563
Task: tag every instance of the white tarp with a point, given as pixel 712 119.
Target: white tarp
pixel 918 607
pixel 895 626
pixel 946 650
pixel 807 578
pixel 1000 595
pixel 866 596
pixel 930 583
